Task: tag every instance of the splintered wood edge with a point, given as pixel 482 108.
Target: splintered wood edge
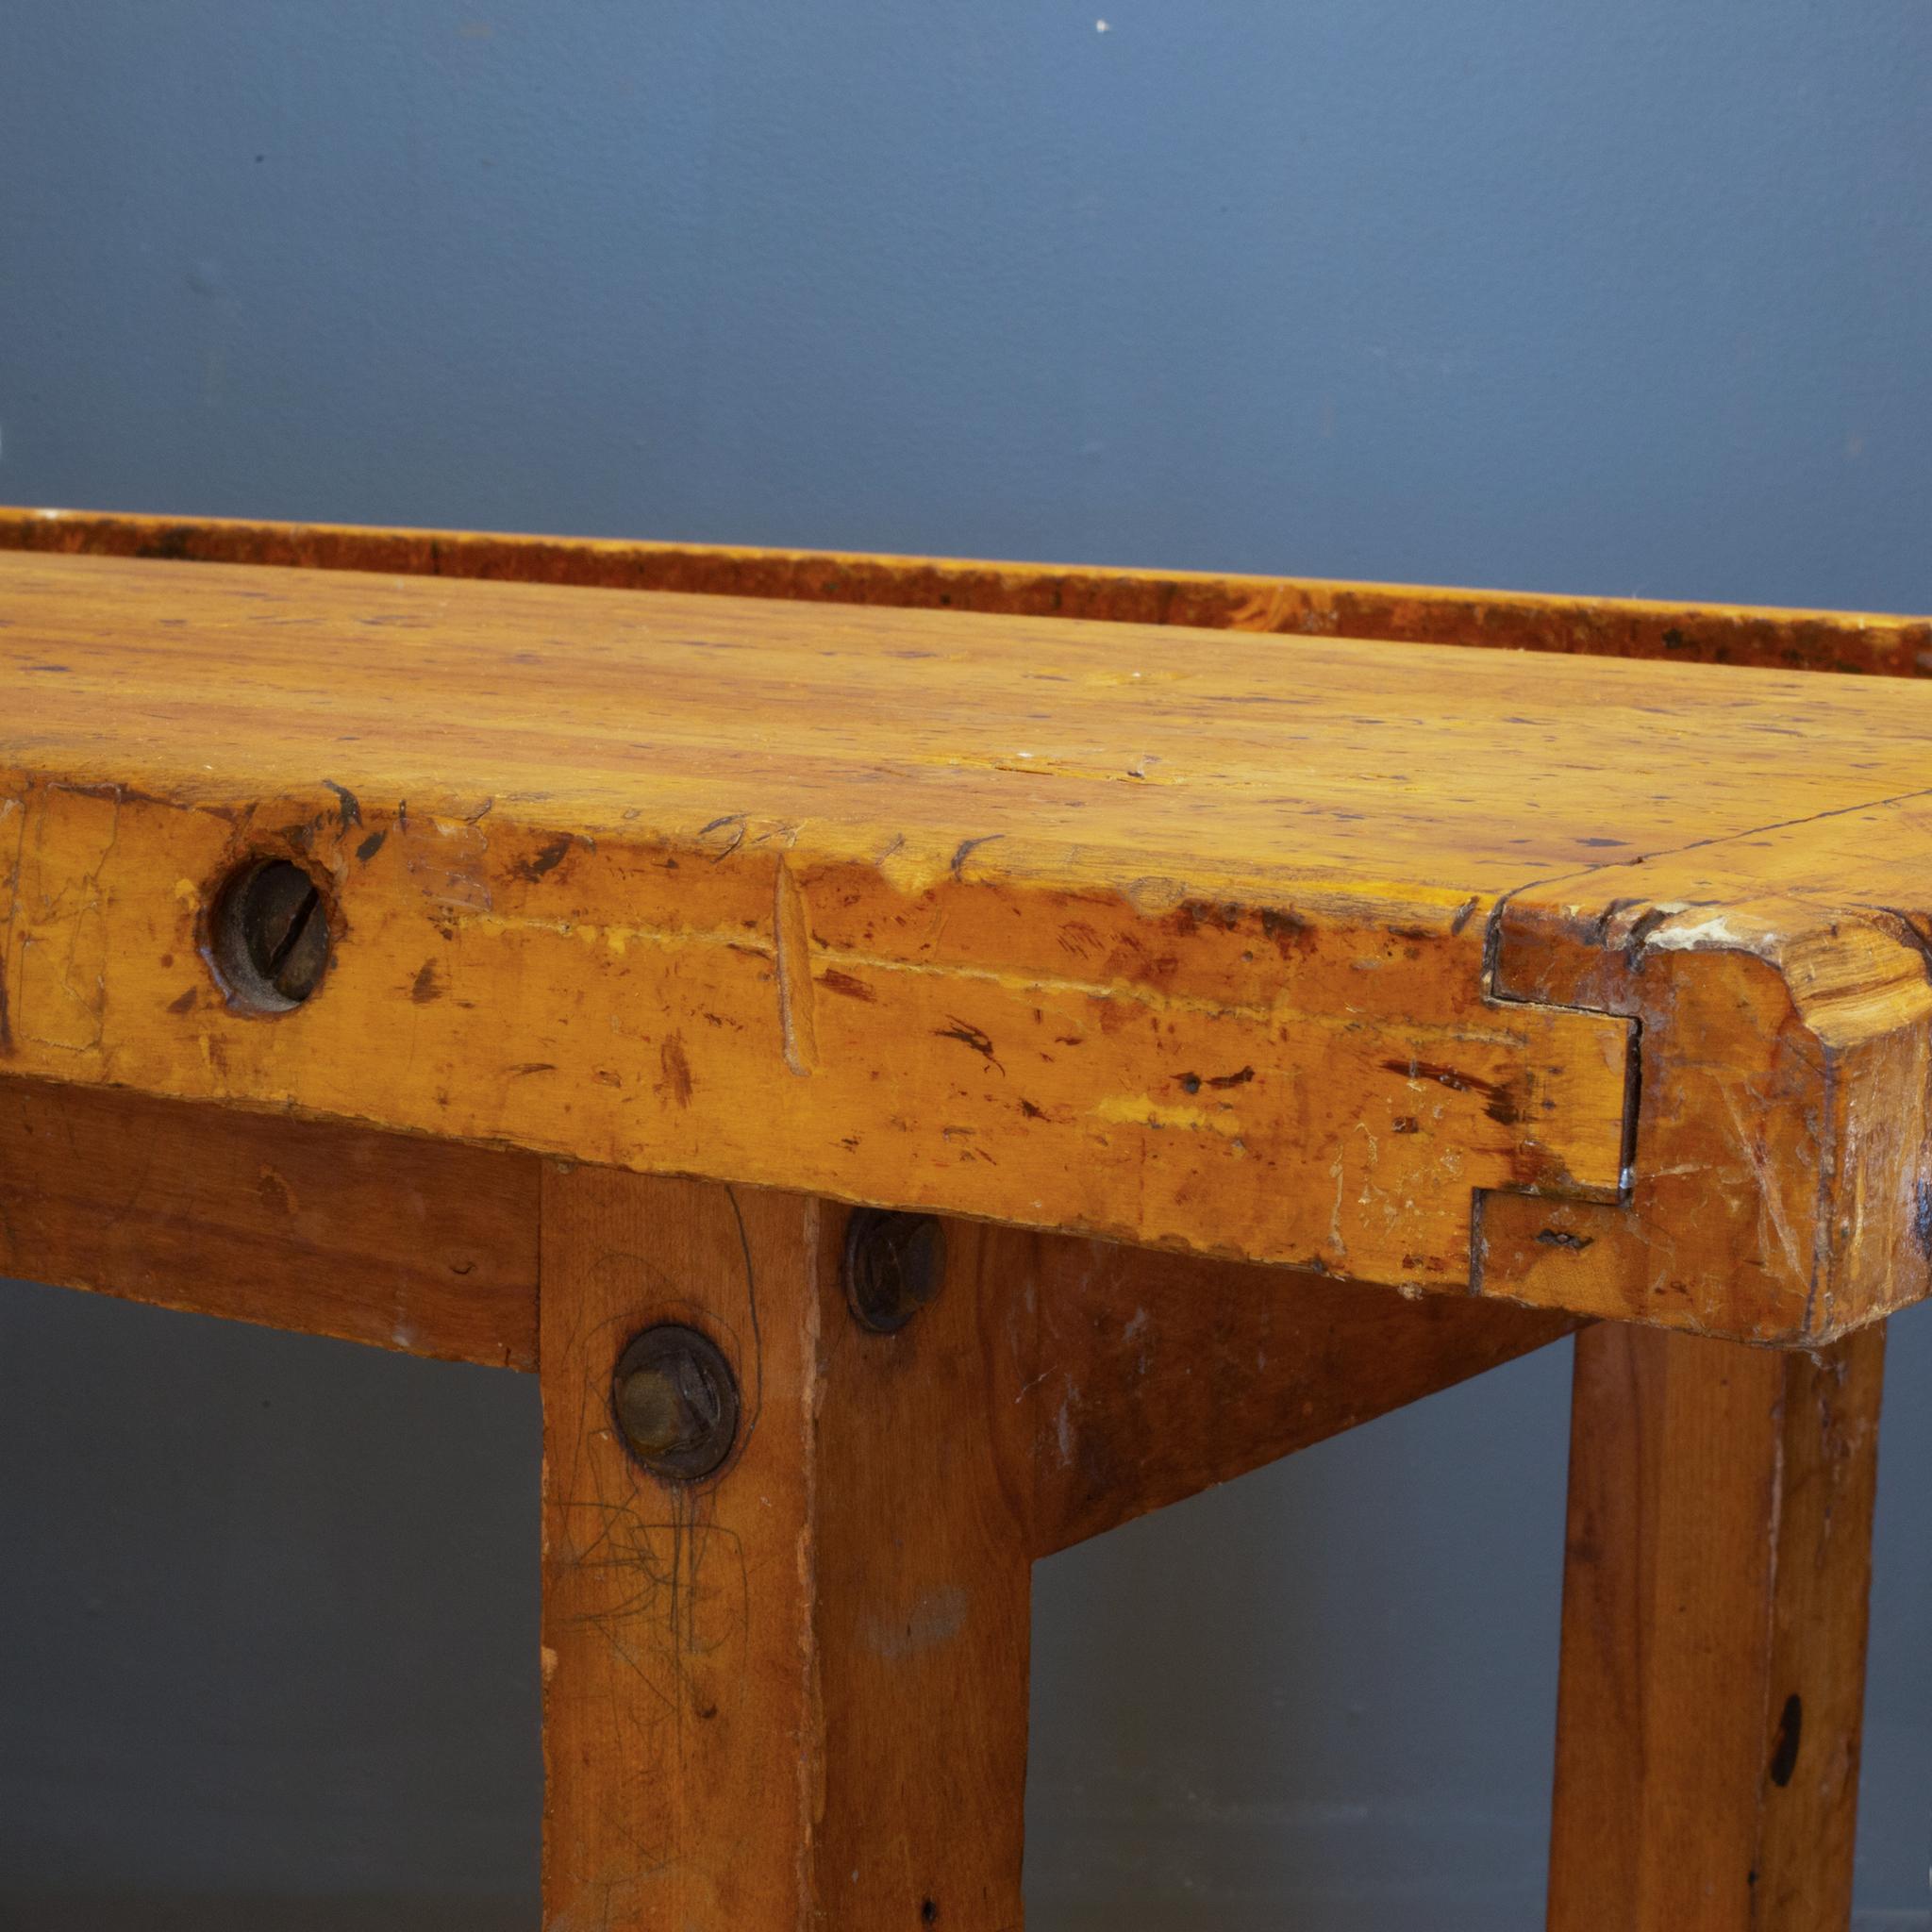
pixel 1877 644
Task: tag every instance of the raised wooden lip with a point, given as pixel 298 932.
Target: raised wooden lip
pixel 1868 642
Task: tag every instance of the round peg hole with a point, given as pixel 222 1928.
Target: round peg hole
pixel 270 936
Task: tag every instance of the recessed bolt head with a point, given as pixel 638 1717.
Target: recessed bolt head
pixel 895 1263
pixel 675 1402
pixel 271 938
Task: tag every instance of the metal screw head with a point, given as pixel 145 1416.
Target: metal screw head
pixel 270 936
pixel 675 1402
pixel 895 1263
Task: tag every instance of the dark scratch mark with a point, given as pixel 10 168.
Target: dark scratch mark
pixel 1192 1083
pixel 425 988
pixel 351 805
pixel 1463 915
pixel 968 1034
pixel 968 847
pixel 1562 1238
pixel 534 1067
pixel 1914 934
pixel 1784 1750
pixel 843 983
pixel 183 1004
pixel 549 859
pixel 677 1070
pixel 1032 1113
pixel 751 1297
pixel 1501 1108
pixel 1600 925
pixel 1285 929
pixel 1641 929
pixel 370 846
pixel 735 821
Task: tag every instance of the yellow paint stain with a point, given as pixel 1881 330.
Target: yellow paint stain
pixel 1138 1110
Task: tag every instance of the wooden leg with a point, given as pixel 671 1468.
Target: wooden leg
pixel 1714 1605
pixel 793 1693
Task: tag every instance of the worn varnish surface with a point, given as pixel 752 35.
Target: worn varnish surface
pixel 1052 922
pixel 795 1695
pixel 1289 607
pixel 1714 1618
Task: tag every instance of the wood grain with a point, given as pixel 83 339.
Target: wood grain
pixel 1288 607
pixel 1025 919
pixel 1146 1377
pixel 678 893
pixel 1714 1616
pixel 795 1695
pixel 329 1229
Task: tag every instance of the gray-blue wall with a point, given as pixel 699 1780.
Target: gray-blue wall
pixel 1628 298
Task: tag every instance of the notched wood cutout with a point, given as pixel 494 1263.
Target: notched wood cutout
pixel 1318 1082
pixel 1781 1180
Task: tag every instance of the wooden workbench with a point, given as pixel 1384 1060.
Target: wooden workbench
pixel 529 952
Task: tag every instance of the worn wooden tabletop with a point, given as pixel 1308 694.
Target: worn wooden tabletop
pixel 394 948
pixel 1596 984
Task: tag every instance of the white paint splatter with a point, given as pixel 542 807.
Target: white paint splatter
pixel 1696 935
